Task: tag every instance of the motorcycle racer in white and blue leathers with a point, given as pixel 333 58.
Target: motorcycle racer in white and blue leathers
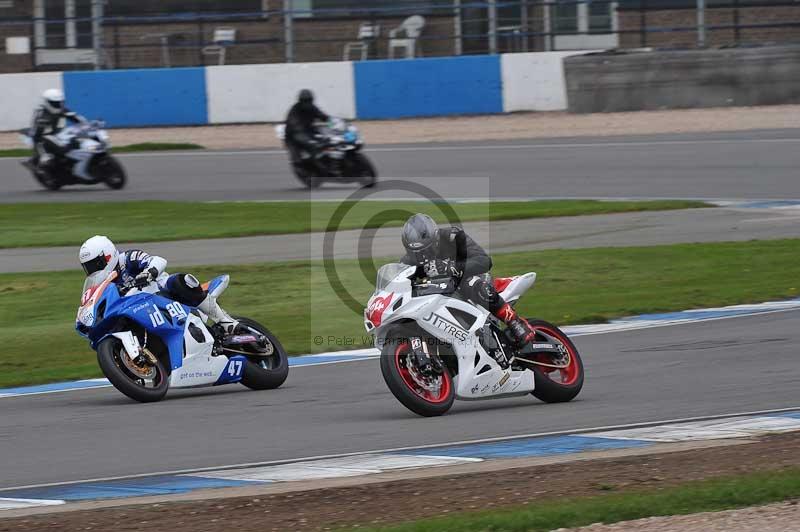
pixel 138 269
pixel 48 120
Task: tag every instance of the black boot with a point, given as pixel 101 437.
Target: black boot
pixel 520 331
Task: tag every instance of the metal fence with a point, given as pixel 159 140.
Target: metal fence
pixel 80 34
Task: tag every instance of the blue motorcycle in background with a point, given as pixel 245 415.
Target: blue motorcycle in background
pixel 147 343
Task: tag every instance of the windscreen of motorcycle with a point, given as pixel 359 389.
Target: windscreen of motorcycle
pixel 91 282
pixel 388 273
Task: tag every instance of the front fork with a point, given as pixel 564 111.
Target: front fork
pixel 428 365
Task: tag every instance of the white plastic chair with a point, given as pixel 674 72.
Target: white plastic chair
pixel 223 37
pixel 412 29
pixel 367 32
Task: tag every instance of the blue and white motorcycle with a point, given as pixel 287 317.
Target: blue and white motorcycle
pixel 147 343
pixel 88 161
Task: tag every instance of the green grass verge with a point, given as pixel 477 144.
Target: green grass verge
pixel 53 224
pixel 130 148
pixel 693 497
pixel 295 300
pixel 158 146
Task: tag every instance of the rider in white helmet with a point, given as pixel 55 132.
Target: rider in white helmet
pixel 48 119
pixel 137 269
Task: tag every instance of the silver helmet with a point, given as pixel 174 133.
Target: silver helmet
pixel 421 238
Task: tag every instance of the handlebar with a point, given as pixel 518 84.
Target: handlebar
pixel 434 286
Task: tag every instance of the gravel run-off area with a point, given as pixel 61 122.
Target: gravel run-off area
pixel 489 127
pixel 383 503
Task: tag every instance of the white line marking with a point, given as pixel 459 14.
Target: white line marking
pixel 779 219
pixel 472 147
pixel 574 431
pixel 16 504
pixel 705 430
pixel 363 464
pixel 635 326
pixel 26 394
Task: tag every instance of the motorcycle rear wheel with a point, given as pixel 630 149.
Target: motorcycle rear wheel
pixel 394 367
pixel 109 354
pixel 308 178
pixel 265 373
pixel 557 385
pixel 47 179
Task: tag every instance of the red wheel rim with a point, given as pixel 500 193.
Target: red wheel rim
pixel 569 375
pixel 444 390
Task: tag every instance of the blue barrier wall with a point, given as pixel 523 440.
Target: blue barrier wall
pixel 143 97
pixel 366 90
pixel 428 87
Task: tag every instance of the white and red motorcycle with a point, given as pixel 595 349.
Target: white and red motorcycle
pixel 437 346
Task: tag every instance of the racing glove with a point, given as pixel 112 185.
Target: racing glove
pixel 145 278
pixel 452 268
pixel 438 268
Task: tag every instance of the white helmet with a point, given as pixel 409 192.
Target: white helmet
pixel 53 100
pixel 98 254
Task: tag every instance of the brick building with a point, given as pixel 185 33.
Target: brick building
pixel 61 34
pixel 672 23
pixel 152 33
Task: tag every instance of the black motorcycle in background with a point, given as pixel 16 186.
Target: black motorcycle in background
pixel 340 159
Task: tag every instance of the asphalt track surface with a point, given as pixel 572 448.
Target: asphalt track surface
pixel 705 368
pixel 750 164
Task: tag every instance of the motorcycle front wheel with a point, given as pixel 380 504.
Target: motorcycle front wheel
pixel 428 399
pixel 144 384
pixel 113 173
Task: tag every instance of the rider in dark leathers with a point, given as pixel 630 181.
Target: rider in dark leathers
pixel 436 252
pixel 300 127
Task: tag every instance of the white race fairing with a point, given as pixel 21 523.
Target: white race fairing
pixel 451 321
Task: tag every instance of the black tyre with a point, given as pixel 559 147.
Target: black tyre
pixel 308 178
pixel 557 385
pixel 265 372
pixel 144 390
pixel 395 370
pixel 47 179
pixel 367 174
pixel 113 172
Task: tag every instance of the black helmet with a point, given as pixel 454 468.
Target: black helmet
pixel 421 238
pixel 305 96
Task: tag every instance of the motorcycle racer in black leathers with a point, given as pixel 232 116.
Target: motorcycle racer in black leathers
pixel 300 127
pixel 437 252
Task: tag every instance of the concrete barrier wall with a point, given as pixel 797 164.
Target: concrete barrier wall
pixel 132 98
pixel 534 81
pixel 685 79
pixel 263 93
pixel 21 93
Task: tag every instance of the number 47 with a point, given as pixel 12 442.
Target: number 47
pixel 235 368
